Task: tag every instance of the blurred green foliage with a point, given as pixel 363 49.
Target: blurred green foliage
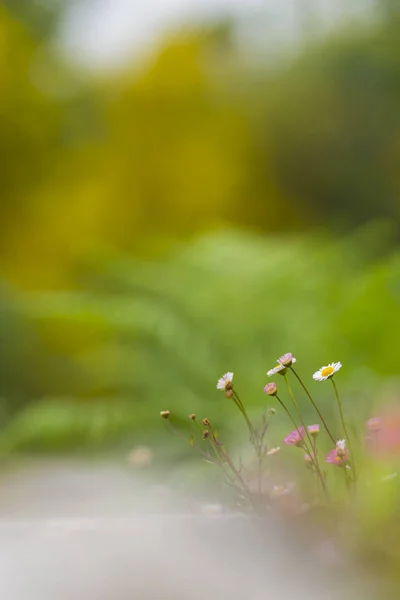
pixel 147 335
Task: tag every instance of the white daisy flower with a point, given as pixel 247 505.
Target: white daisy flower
pixel 225 382
pixel 326 372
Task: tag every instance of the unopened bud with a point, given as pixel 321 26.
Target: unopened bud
pixel 271 412
pixel 165 414
pixel 313 430
pixel 206 433
pixel 192 417
pixel 206 422
pixel 271 389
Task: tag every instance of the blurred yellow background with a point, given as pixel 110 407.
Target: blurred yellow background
pixel 227 196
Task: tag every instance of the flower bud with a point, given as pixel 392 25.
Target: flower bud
pixel 206 433
pixel 271 412
pixel 313 430
pixel 192 417
pixel 271 389
pixel 206 422
pixel 165 414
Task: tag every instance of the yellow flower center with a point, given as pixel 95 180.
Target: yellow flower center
pixel 326 371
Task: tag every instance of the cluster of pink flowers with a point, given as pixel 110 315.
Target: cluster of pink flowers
pixel 339 455
pixel 296 437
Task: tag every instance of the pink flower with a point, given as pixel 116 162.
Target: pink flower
pixel 287 359
pixel 271 389
pixel 339 455
pixel 295 438
pixel 313 430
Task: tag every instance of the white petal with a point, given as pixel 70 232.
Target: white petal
pixel 274 370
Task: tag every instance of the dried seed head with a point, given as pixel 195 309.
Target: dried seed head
pixel 192 417
pixel 206 433
pixel 206 422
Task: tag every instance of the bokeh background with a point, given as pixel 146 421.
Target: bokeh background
pixel 188 188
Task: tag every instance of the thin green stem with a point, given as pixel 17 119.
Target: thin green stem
pixel 344 424
pixel 253 435
pixel 297 410
pixel 238 475
pixel 314 405
pixel 260 461
pixel 288 413
pixel 313 458
pixel 180 435
pixel 308 450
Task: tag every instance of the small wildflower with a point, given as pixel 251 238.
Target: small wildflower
pixel 206 433
pixel 339 455
pixel 192 416
pixel 313 430
pixel 271 389
pixel 225 382
pixel 374 424
pixel 295 438
pixel 273 451
pixel 206 422
pixel 271 412
pixel 284 362
pixel 287 359
pixel 165 414
pixel 281 490
pixel 327 372
pixel 277 369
